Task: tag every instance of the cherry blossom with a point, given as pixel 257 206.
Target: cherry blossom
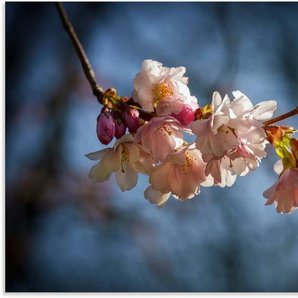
pixel 181 173
pixel 284 193
pixel 126 159
pixel 162 89
pixel 161 136
pixel 247 155
pixel 224 127
pixel 231 137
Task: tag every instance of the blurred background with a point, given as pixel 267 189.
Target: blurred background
pixel 64 233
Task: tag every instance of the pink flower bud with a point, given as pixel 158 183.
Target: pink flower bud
pixel 186 116
pixel 105 127
pixel 120 129
pixel 131 118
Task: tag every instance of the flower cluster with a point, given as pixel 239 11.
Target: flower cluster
pixel 229 139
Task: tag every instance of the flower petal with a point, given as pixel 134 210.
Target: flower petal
pixel 97 154
pixel 128 178
pixel 156 197
pixel 112 160
pixel 99 173
pixel 264 110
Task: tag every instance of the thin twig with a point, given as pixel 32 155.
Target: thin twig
pixel 89 73
pixel 282 117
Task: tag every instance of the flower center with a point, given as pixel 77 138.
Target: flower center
pixel 165 129
pixel 224 128
pixel 189 160
pixel 124 158
pixel 162 91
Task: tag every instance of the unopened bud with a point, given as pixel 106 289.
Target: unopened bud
pixel 120 129
pixel 186 116
pixel 105 128
pixel 132 120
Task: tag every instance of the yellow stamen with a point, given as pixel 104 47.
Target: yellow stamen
pixel 124 157
pixel 188 162
pixel 162 91
pixel 231 164
pixel 165 129
pixel 224 129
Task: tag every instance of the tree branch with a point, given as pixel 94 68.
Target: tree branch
pixel 89 73
pixel 282 117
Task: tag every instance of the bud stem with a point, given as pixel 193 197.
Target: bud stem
pixel 282 117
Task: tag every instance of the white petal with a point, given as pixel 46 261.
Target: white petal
pixel 241 103
pixel 156 197
pixel 238 165
pixel 99 173
pixel 208 182
pixel 124 139
pixel 216 99
pixel 278 167
pixel 112 160
pixel 128 179
pixel 134 153
pixel 228 179
pixel 264 110
pixel 97 154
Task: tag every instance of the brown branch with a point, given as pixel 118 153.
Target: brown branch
pixel 89 73
pixel 282 117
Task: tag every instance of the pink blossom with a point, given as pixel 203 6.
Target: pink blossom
pixel 284 193
pixel 232 139
pixel 213 134
pixel 232 124
pixel 105 128
pixel 247 155
pixel 126 159
pixel 161 136
pixel 162 89
pixel 181 173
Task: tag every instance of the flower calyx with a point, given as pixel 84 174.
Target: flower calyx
pixel 285 146
pixel 203 113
